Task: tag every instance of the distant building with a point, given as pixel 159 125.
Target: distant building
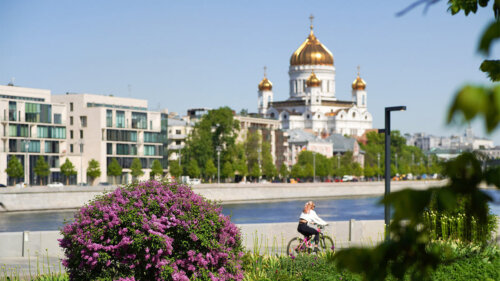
pixel 30 118
pixel 466 142
pixel 105 127
pixel 178 131
pixel 271 132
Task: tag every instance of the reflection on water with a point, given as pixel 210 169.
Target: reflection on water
pixel 329 209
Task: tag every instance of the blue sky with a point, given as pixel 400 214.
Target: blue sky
pixel 186 54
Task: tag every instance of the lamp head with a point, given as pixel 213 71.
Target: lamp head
pixel 396 108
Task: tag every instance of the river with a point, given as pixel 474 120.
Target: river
pixel 330 209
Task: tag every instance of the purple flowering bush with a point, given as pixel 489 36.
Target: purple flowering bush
pixel 152 231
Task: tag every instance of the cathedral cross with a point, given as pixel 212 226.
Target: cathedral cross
pixel 311 18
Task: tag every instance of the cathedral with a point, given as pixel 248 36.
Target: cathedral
pixel 313 104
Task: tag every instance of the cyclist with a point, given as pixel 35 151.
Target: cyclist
pixel 315 219
pixel 309 216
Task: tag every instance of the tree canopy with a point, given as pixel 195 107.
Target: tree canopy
pixel 93 170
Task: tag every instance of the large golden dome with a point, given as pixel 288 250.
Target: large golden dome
pixel 312 52
pixel 313 81
pixel 265 85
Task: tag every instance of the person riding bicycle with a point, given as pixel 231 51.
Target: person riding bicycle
pixel 309 216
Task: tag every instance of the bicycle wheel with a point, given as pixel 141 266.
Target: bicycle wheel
pixel 326 244
pixel 295 246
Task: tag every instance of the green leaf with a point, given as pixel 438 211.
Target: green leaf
pixel 492 67
pixel 470 101
pixel 492 33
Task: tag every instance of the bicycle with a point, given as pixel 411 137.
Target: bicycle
pixel 298 245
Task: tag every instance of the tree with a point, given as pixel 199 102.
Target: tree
pixel 114 169
pixel 68 169
pixel 93 170
pixel 268 167
pixel 218 128
pixel 42 168
pixel 210 170
pixel 192 169
pixel 369 171
pixel 240 163
pixel 136 169
pixel 228 171
pixel 284 172
pixel 255 172
pixel 297 171
pixel 156 169
pixel 14 169
pixel 175 169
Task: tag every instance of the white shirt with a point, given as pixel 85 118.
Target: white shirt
pixel 312 217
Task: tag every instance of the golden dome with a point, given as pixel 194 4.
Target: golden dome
pixel 312 52
pixel 358 84
pixel 313 81
pixel 265 85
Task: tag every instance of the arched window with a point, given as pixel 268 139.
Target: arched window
pixel 353 114
pixel 363 100
pixel 272 115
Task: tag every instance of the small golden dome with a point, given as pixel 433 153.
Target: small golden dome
pixel 313 81
pixel 265 85
pixel 358 84
pixel 312 52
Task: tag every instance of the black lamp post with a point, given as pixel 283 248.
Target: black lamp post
pixel 387 132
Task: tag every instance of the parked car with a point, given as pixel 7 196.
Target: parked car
pixel 2 185
pixel 104 183
pixel 348 178
pixel 195 181
pixel 83 184
pixel 55 184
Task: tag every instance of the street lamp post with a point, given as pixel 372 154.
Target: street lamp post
pixel 396 160
pixel 378 166
pixel 26 161
pixel 314 166
pixel 218 163
pixel 387 174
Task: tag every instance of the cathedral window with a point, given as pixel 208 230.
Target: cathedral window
pixel 318 116
pixel 284 116
pixel 308 116
pixel 353 114
pixel 366 117
pixel 328 86
pixel 363 101
pixel 272 115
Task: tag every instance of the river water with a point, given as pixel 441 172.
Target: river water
pixel 330 209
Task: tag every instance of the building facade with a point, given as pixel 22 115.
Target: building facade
pixel 106 127
pixel 270 130
pixel 178 131
pixel 32 126
pixel 313 103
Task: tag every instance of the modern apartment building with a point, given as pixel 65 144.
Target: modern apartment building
pixel 105 127
pixel 32 125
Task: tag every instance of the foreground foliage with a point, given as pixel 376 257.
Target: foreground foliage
pixel 152 231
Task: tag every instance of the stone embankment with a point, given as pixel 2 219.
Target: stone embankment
pixel 73 197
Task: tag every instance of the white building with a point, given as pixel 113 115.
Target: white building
pixel 30 118
pixel 178 131
pixel 106 127
pixel 465 142
pixel 313 103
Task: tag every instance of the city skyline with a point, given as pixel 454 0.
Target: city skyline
pixel 212 54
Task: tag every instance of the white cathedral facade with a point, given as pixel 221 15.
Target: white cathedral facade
pixel 313 103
